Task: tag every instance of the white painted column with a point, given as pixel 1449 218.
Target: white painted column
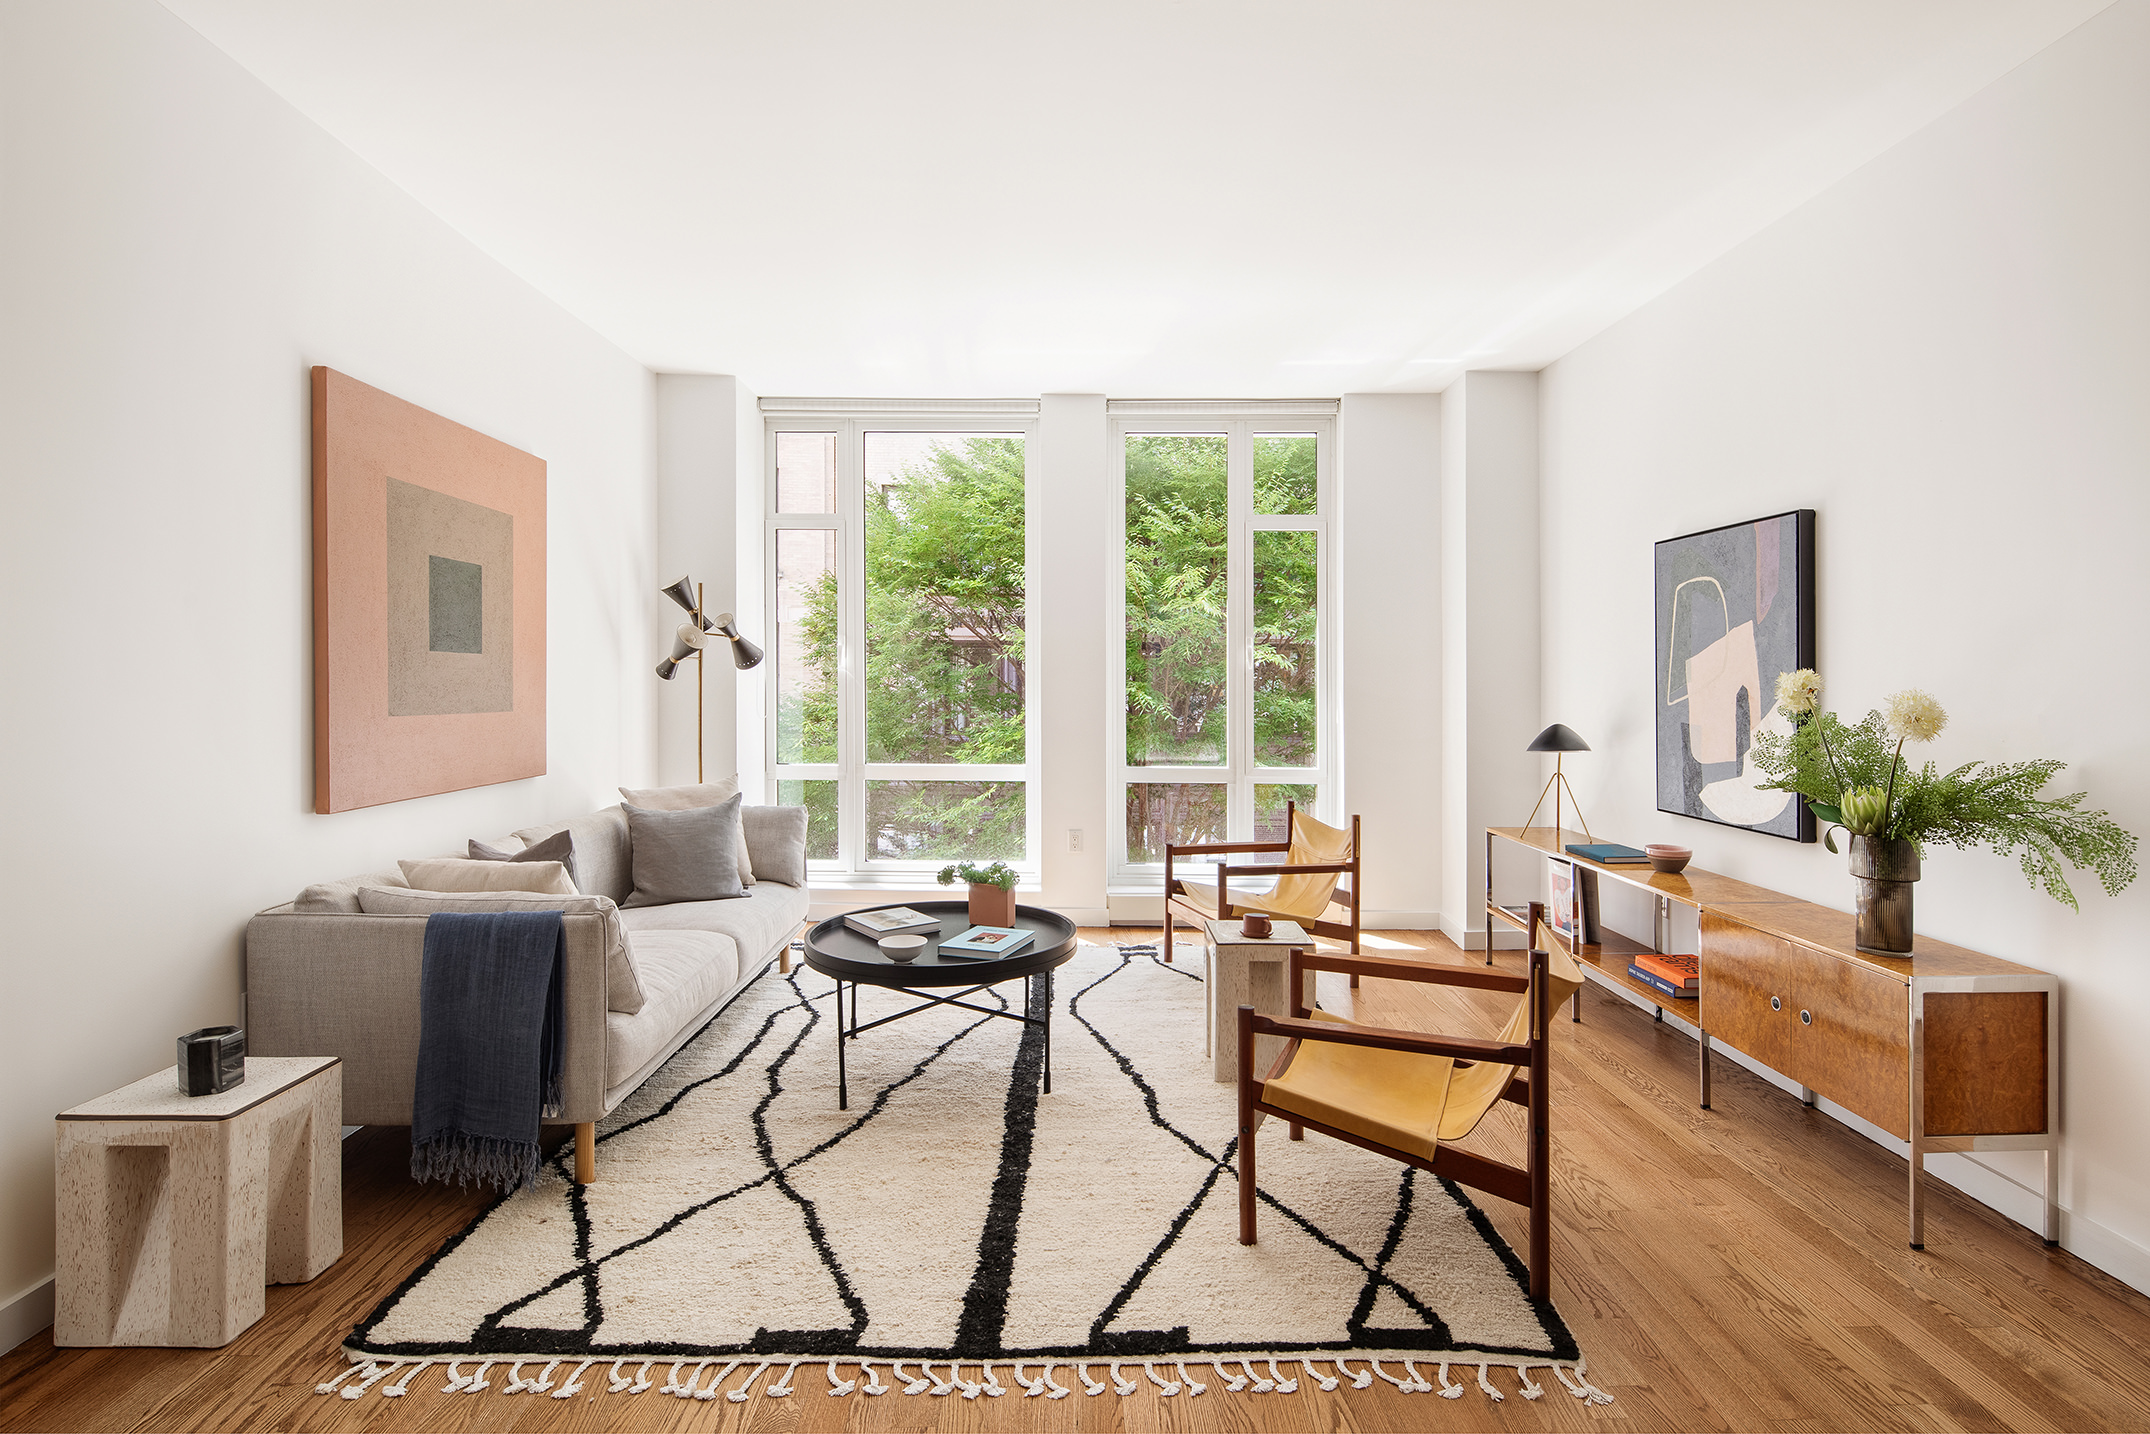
pixel 1489 628
pixel 708 471
pixel 1074 543
pixel 1388 644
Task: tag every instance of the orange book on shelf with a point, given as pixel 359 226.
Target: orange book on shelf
pixel 1679 970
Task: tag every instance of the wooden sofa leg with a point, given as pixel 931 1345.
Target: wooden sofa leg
pixel 586 1152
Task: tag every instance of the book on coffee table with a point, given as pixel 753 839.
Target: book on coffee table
pixel 982 942
pixel 891 921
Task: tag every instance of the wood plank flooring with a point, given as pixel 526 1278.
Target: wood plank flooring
pixel 1736 1268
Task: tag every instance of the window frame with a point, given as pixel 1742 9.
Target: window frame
pixel 850 423
pixel 1239 773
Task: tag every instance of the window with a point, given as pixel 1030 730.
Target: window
pixel 1225 686
pixel 898 555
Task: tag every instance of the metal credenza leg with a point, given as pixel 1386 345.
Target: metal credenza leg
pixel 1702 1066
pixel 2052 1195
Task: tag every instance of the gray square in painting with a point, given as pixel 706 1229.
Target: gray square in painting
pixel 451 604
pixel 455 605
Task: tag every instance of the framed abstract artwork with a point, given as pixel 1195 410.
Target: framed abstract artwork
pixel 1735 608
pixel 429 602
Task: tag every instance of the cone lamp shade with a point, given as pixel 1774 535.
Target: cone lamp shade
pixel 1558 738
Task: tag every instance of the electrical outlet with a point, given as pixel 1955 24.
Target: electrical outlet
pixel 1074 838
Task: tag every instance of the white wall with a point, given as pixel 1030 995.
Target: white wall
pixel 178 247
pixel 1388 551
pixel 1489 628
pixel 1074 534
pixel 708 454
pixel 1947 356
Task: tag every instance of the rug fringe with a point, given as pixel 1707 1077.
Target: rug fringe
pixel 364 1372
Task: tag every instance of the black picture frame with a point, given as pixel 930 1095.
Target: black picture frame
pixel 1739 601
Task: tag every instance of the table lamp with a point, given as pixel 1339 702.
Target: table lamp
pixel 1558 739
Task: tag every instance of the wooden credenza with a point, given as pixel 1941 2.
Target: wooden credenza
pixel 1947 1049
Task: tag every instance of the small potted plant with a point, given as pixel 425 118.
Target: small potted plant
pixel 992 891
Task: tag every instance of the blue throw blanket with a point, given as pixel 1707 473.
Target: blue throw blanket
pixel 491 1027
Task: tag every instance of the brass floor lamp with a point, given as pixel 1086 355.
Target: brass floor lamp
pixel 1559 740
pixel 692 639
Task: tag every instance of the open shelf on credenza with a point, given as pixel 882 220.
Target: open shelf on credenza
pixel 1606 961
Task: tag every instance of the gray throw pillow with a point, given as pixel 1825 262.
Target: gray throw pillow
pixel 688 855
pixel 559 847
pixel 777 836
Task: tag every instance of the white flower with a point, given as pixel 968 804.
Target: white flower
pixel 1798 693
pixel 1914 716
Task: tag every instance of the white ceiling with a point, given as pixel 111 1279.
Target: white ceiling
pixel 1133 197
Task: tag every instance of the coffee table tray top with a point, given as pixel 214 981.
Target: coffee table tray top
pixel 834 949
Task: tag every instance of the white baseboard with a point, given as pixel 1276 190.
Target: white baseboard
pixel 1470 939
pixel 26 1314
pixel 2084 1238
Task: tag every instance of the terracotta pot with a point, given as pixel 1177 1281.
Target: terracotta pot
pixel 991 906
pixel 1882 871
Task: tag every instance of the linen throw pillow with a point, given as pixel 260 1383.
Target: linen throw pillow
pixel 690 855
pixel 681 799
pixel 778 836
pixel 559 847
pixel 452 873
pixel 623 984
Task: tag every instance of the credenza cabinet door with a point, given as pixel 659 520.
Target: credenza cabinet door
pixel 1851 1037
pixel 1746 990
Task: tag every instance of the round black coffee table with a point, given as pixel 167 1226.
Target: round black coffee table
pixel 850 957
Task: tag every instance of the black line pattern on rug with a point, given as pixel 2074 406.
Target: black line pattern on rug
pixel 494 1334
pixel 1437 1328
pixel 982 1326
pixel 983 1323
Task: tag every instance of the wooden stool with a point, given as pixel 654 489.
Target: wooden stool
pixel 175 1211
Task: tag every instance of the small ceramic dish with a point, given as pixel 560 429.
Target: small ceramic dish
pixel 902 949
pixel 1669 862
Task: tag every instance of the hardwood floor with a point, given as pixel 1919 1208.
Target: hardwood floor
pixel 1737 1268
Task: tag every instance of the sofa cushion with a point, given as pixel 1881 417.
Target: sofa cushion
pixel 690 855
pixel 684 799
pixel 340 898
pixel 682 972
pixel 602 864
pixel 559 847
pixel 760 924
pixel 623 986
pixel 777 838
pixel 463 874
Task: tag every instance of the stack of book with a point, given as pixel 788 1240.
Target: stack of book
pixel 1674 976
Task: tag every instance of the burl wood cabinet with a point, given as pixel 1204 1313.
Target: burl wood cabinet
pixel 1946 1049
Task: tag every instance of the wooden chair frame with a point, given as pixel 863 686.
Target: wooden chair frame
pixel 1183 902
pixel 1527 1185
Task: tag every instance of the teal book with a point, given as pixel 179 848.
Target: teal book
pixel 1609 852
pixel 986 941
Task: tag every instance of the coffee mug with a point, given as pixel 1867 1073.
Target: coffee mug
pixel 1255 925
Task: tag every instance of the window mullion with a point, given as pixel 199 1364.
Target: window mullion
pixel 851 646
pixel 1239 631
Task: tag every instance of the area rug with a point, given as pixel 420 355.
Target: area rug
pixel 957 1226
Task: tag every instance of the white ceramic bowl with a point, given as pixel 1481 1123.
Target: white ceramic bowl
pixel 902 948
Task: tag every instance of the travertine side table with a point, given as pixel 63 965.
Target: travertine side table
pixel 1248 971
pixel 175 1211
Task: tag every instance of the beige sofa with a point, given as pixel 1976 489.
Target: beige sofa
pixel 325 977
